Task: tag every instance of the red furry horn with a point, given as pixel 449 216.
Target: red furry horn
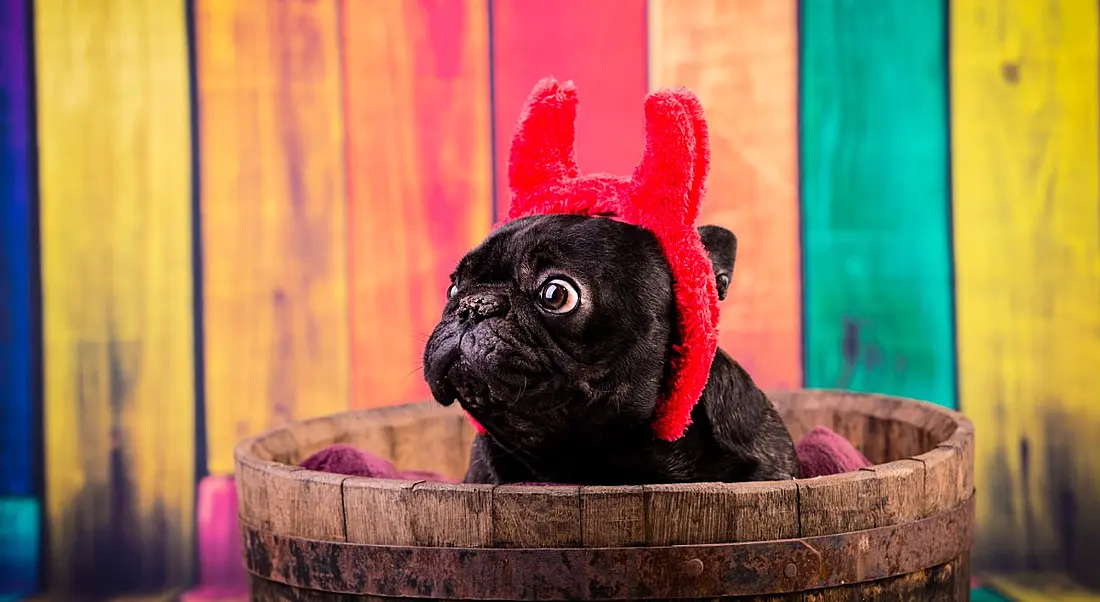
pixel 542 145
pixel 674 165
pixel 694 109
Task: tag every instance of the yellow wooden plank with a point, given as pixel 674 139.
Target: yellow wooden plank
pixel 273 225
pixel 1040 587
pixel 115 155
pixel 1026 147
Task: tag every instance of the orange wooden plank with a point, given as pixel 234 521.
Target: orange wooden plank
pixel 419 176
pixel 273 229
pixel 740 58
pixel 601 46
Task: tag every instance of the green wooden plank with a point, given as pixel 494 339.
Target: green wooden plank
pixel 875 198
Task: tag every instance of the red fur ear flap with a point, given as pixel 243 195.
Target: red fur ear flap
pixel 702 150
pixel 542 146
pixel 666 174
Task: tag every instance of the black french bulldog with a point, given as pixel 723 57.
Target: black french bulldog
pixel 556 338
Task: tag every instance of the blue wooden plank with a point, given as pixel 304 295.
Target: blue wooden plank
pixel 19 546
pixel 17 434
pixel 20 512
pixel 875 198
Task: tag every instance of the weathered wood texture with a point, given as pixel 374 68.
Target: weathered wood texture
pixel 1026 146
pixel 875 199
pixel 273 207
pixel 741 59
pixel 601 46
pixel 20 428
pixel 925 468
pixel 416 98
pixel 946 582
pixel 115 175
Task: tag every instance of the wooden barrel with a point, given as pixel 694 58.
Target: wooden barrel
pixel 900 530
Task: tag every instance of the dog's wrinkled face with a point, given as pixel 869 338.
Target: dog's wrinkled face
pixel 557 326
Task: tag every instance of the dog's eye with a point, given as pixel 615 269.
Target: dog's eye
pixel 451 291
pixel 558 296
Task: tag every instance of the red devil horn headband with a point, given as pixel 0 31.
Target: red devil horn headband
pixel 662 195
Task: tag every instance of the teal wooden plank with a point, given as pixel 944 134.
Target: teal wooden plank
pixel 875 198
pixel 981 594
pixel 19 545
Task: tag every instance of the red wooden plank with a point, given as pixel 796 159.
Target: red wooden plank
pixel 601 46
pixel 419 181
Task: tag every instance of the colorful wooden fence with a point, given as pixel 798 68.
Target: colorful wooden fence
pixel 220 215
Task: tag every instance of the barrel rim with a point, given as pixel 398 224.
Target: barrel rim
pixel 962 432
pixel 297 502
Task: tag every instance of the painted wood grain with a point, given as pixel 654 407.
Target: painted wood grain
pixel 875 199
pixel 273 217
pixel 1026 146
pixel 419 176
pixel 18 280
pixel 601 46
pixel 115 154
pixel 740 57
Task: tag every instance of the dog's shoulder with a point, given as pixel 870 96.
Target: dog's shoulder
pixel 743 422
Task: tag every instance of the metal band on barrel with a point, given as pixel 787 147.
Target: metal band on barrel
pixel 643 572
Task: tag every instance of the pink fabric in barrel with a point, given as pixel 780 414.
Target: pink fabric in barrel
pixel 823 452
pixel 222 576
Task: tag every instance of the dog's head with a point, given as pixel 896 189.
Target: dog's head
pixel 559 326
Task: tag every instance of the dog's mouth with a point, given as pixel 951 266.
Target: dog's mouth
pixel 457 381
pixel 481 373
pixel 466 385
pixel 447 394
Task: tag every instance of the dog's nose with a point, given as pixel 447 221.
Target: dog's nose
pixel 480 306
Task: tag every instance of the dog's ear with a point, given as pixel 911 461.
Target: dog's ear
pixel 721 246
